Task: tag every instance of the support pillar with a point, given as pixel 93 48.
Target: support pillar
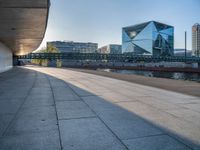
pixel 52 63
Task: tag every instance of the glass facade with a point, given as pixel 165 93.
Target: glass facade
pixel 149 38
pixel 111 49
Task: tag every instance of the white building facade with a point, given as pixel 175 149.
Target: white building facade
pixel 74 47
pixel 196 40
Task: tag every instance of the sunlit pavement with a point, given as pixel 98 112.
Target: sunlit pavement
pixel 51 109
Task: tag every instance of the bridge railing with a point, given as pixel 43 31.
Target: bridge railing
pixel 108 57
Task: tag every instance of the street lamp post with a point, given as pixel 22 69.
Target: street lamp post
pixel 185 44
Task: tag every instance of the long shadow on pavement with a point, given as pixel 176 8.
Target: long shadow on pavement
pixel 56 114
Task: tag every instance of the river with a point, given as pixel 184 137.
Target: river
pixel 170 75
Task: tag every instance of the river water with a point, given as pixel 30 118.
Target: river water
pixel 170 75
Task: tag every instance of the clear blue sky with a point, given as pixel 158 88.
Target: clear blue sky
pixel 101 20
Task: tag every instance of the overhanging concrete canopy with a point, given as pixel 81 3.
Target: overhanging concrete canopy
pixel 23 24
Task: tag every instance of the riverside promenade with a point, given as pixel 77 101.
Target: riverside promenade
pixel 54 109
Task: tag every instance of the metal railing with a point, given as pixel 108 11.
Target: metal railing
pixel 108 57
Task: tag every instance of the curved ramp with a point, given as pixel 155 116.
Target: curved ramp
pixel 23 24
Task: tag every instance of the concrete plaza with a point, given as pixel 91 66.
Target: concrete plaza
pixel 52 109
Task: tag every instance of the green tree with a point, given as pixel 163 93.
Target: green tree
pixel 52 49
pixel 48 49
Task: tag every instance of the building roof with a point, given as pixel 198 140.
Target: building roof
pixel 196 24
pixel 23 24
pixel 140 25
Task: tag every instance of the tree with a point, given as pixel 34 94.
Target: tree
pixel 49 49
pixel 52 49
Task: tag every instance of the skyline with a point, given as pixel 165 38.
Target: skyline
pixel 102 21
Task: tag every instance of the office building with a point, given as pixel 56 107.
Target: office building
pixel 149 38
pixel 74 47
pixel 181 52
pixel 111 49
pixel 196 39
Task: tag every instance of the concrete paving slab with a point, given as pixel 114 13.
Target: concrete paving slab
pixel 192 106
pixel 34 141
pixel 35 119
pixel 99 104
pixel 40 102
pixel 186 114
pixel 117 97
pixel 41 84
pixel 62 90
pixel 174 98
pixel 12 95
pixel 62 94
pixel 136 121
pixel 33 96
pixel 73 109
pixel 37 90
pixel 159 103
pixel 138 107
pixel 58 83
pixel 9 107
pixel 183 100
pixel 174 125
pixel 41 80
pixel 87 134
pixel 128 126
pixel 4 122
pixel 125 124
pixel 81 92
pixel 160 142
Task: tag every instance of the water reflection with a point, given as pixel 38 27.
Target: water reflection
pixel 170 75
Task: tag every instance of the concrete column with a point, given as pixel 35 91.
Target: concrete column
pixel 6 58
pixel 52 63
pixel 195 65
pixel 198 65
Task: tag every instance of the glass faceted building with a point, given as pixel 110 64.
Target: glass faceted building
pixel 149 38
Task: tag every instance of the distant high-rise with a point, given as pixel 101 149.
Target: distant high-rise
pixel 196 39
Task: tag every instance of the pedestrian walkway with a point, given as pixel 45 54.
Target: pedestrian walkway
pixel 53 109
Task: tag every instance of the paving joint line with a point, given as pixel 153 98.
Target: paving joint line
pixel 14 117
pixel 62 119
pixel 140 137
pixel 58 101
pixel 60 139
pixel 120 141
pixel 27 133
pixel 114 133
pixel 168 133
pixel 166 130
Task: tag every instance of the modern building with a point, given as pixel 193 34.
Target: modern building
pixel 22 28
pixel 74 47
pixel 196 39
pixel 111 49
pixel 181 52
pixel 149 38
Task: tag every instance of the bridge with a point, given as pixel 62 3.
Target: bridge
pixel 108 57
